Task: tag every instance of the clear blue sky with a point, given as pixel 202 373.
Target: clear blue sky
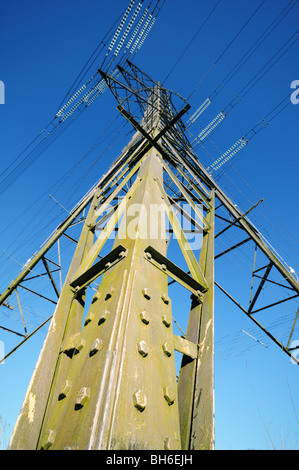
pixel 44 46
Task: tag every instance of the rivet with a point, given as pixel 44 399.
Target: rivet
pixel 66 389
pixel 104 316
pixel 166 321
pixel 110 293
pixel 139 400
pixel 148 255
pixel 80 345
pixel 169 395
pixel 165 299
pixel 167 349
pixel 96 297
pixel 49 440
pixel 144 317
pixel 71 343
pixel 90 316
pixel 163 267
pixel 95 347
pixel 82 398
pixel 142 348
pixel 146 293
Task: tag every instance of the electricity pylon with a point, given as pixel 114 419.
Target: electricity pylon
pixel 106 375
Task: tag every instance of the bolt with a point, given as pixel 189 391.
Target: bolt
pixel 95 347
pixel 49 440
pixel 90 316
pixel 165 299
pixel 96 297
pixel 142 348
pixel 82 398
pixel 105 315
pixel 108 265
pixel 169 395
pixel 71 342
pixel 110 293
pixel 144 317
pixel 80 345
pixel 139 400
pixel 166 321
pixel 66 389
pixel 146 293
pixel 122 254
pixel 163 266
pixel 148 255
pixel 167 349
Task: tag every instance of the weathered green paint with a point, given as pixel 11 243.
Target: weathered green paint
pixel 196 379
pixel 130 379
pixel 65 321
pixel 106 376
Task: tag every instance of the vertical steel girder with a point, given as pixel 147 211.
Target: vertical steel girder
pixel 121 384
pixel 196 379
pixel 106 376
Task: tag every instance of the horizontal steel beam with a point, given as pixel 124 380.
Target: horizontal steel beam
pixel 99 268
pixel 174 271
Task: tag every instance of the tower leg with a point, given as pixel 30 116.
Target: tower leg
pixel 196 379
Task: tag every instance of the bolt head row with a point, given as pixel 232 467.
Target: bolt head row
pixel 140 399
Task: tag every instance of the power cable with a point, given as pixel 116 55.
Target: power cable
pixel 231 42
pixel 242 62
pixel 191 41
pixel 211 127
pixel 93 89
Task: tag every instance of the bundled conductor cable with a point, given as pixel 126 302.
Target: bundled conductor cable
pixel 210 127
pixel 117 32
pixel 133 19
pixel 226 156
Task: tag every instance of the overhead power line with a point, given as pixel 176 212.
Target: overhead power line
pixel 86 93
pixel 255 46
pixel 231 43
pixel 191 41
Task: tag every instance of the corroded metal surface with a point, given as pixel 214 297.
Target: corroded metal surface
pixel 106 377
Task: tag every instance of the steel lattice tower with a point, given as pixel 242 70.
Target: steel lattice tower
pixel 106 375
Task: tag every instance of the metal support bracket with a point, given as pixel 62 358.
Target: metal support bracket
pixel 186 347
pixel 107 262
pixel 173 271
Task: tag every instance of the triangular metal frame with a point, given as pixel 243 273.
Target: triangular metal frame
pixel 157 146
